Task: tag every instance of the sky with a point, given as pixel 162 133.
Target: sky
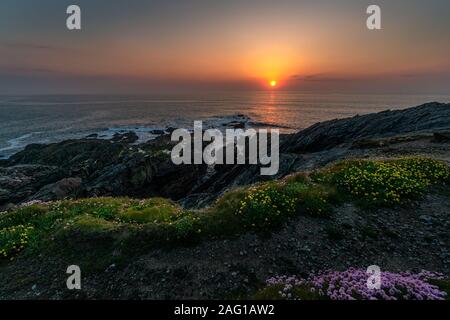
pixel 138 46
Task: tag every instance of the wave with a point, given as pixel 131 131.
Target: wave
pixel 15 144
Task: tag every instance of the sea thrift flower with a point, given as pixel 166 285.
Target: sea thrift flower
pixel 33 202
pixel 352 284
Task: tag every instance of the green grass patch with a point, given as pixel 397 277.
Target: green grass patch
pixel 276 292
pixel 14 239
pixel 155 210
pixel 313 199
pixel 266 206
pixel 221 218
pixel 385 183
pixel 131 226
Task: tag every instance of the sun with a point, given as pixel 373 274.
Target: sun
pixel 273 83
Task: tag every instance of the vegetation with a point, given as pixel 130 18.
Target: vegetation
pixel 13 240
pixel 352 285
pixel 313 199
pixel 266 206
pixel 385 183
pixel 156 210
pixel 278 292
pixel 127 226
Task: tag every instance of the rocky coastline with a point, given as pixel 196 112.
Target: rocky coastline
pixel 93 167
pixel 412 237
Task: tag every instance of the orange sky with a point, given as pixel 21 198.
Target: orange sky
pixel 251 42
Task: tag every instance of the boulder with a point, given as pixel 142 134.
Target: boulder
pixel 330 134
pixel 127 137
pixel 22 181
pixel 64 188
pixel 442 136
pixel 157 131
pixel 98 167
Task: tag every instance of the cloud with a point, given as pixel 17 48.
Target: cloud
pixel 439 74
pixel 319 77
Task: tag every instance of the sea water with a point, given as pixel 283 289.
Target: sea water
pixel 45 119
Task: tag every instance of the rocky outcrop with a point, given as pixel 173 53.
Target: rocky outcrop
pixel 22 181
pixel 325 135
pixel 59 190
pixel 118 167
pixel 95 167
pixel 335 140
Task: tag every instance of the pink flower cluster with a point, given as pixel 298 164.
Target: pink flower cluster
pixel 34 202
pixel 352 285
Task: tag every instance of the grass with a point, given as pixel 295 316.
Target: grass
pixel 385 183
pixel 14 239
pixel 266 206
pixel 127 226
pixel 313 199
pixel 155 210
pixel 276 292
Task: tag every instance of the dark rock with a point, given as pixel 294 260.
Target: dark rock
pixel 127 137
pixel 64 188
pixel 22 181
pixel 169 130
pixel 329 134
pixel 95 167
pixel 157 131
pixel 72 155
pixel 98 167
pixel 7 207
pixel 235 124
pixel 442 136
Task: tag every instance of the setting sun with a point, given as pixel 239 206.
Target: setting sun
pixel 273 83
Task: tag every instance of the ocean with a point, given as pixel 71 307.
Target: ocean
pixel 53 118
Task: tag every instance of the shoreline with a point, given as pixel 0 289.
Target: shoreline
pixel 345 137
pixel 73 117
pixel 105 194
pixel 144 134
